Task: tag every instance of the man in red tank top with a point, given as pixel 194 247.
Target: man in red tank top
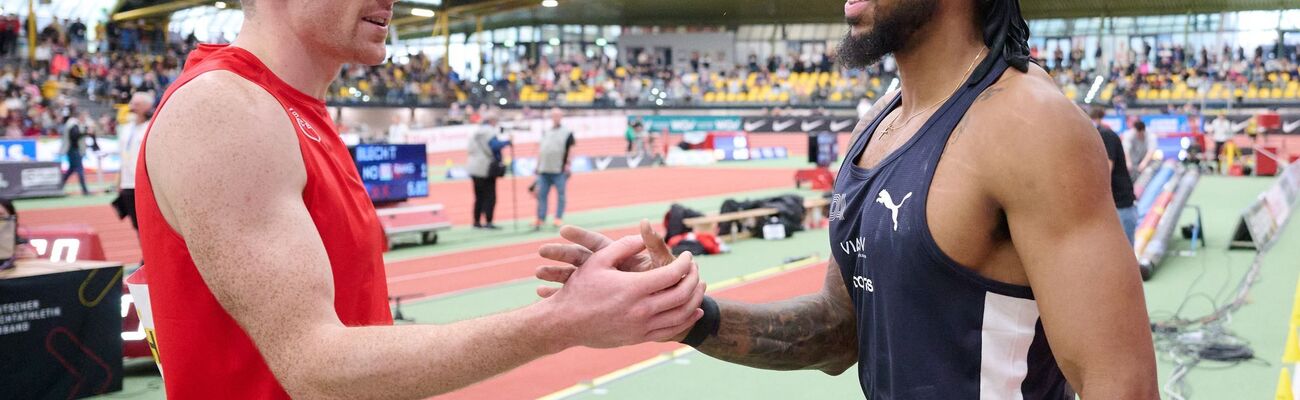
pixel 265 271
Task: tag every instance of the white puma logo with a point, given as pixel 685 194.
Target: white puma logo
pixel 888 202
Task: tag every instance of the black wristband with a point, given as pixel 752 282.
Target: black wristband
pixel 707 325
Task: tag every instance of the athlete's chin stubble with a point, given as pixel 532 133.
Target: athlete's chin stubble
pixel 889 32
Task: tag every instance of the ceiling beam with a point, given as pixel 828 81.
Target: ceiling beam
pixel 159 9
pixel 464 15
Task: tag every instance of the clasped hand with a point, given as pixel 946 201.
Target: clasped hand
pixel 618 294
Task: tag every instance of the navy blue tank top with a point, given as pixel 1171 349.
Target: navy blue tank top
pixel 929 328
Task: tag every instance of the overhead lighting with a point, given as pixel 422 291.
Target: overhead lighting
pixel 550 3
pixel 422 12
pixel 220 4
pixel 1092 92
pixel 601 42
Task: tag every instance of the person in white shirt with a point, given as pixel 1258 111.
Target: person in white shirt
pixel 1221 132
pixel 1139 146
pixel 398 130
pixel 129 136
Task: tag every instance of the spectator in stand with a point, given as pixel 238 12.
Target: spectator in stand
pixel 1140 146
pixel 553 168
pixel 129 137
pixel 485 166
pixel 1121 183
pixel 77 34
pixel 75 131
pixel 398 130
pixel 631 134
pixel 1221 132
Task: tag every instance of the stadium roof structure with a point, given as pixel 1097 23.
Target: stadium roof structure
pixel 469 15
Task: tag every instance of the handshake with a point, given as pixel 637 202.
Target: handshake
pixel 619 292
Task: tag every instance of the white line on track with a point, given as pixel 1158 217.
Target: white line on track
pixel 463 268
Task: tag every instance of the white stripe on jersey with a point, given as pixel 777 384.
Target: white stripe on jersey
pixel 1009 326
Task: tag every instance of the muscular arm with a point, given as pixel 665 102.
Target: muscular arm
pixel 1053 184
pixel 231 185
pixel 247 196
pixel 816 331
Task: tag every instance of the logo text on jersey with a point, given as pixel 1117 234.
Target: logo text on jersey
pixel 864 283
pixel 853 246
pixel 305 127
pixel 837 207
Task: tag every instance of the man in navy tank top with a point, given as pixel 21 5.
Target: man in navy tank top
pixel 977 253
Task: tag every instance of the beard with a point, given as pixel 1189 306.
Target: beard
pixel 890 32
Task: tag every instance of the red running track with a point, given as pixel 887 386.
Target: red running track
pixel 611 188
pixel 559 371
pixel 796 143
pixel 464 270
pixel 585 192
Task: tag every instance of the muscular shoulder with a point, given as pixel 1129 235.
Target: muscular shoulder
pixel 218 106
pixel 1025 129
pixel 221 133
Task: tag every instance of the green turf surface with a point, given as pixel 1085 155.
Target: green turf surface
pixel 697 376
pixel 795 162
pixel 99 195
pixel 1263 321
pixel 747 256
pixel 466 238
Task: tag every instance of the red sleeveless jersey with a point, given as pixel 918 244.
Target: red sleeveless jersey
pixel 202 351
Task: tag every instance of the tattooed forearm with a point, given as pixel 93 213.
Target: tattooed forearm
pixel 811 332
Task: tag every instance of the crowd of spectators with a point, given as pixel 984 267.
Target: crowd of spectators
pixel 1202 72
pixel 795 79
pixel 41 93
pixel 129 59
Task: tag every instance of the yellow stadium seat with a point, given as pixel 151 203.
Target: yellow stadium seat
pixel 1252 94
pixel 709 97
pixel 1276 93
pixel 1165 94
pixel 784 97
pixel 837 96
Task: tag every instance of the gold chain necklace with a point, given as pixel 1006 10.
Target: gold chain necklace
pixel 892 124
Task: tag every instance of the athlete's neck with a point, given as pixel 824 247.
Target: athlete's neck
pixel 288 58
pixel 937 57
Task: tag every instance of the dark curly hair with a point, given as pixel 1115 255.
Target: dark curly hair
pixel 1005 31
